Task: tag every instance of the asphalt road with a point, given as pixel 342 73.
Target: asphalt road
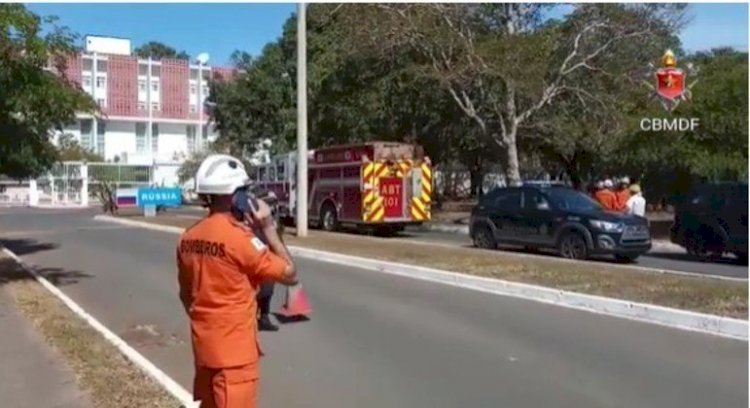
pixel 383 341
pixel 656 259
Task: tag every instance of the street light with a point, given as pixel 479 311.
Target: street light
pixel 301 121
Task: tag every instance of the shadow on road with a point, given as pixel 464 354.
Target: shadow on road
pixel 690 258
pixel 10 271
pixel 24 246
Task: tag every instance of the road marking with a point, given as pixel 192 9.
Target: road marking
pixel 642 312
pixel 175 389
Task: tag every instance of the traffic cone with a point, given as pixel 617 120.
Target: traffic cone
pixel 296 303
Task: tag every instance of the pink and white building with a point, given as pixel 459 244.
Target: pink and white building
pixel 153 110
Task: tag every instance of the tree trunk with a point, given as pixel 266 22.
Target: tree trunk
pixel 575 176
pixel 512 169
pixel 476 177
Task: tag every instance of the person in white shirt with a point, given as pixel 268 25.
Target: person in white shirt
pixel 636 204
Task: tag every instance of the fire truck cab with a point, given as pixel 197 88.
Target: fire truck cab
pixel 383 185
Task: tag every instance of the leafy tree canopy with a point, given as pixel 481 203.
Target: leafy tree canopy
pixel 156 50
pixel 495 84
pixel 34 98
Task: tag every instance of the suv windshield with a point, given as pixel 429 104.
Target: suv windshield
pixel 567 199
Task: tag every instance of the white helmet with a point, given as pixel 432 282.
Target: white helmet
pixel 220 174
pixel 608 183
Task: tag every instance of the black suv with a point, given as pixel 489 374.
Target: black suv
pixel 712 219
pixel 557 217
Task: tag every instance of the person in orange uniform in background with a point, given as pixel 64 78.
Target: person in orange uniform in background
pixel 623 194
pixel 606 196
pixel 221 266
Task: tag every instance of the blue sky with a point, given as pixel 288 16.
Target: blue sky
pixel 220 29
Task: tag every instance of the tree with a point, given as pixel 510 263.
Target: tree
pixel 241 60
pixel 70 150
pixel 499 63
pixel 583 130
pixel 670 161
pixel 189 167
pixel 156 50
pixel 33 99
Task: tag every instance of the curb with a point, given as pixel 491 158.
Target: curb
pixel 170 385
pixel 658 244
pixel 643 312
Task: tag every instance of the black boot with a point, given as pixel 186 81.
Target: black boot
pixel 265 324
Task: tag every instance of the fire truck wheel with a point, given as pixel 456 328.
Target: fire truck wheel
pixel 385 231
pixel 328 218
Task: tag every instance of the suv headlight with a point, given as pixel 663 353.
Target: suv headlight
pixel 608 226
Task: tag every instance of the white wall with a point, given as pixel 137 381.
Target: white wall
pixel 166 174
pixel 172 139
pixel 74 130
pixel 119 138
pixel 107 45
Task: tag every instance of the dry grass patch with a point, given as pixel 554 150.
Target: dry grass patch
pixel 102 371
pixel 714 296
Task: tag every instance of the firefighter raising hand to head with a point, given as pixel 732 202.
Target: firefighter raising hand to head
pixel 221 265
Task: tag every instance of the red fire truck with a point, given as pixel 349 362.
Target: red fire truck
pixel 380 185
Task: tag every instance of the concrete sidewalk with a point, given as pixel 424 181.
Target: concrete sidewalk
pixel 32 374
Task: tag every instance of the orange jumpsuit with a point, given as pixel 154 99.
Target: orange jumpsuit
pixel 622 199
pixel 607 199
pixel 221 264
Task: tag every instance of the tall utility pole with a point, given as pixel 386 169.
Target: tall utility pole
pixel 301 121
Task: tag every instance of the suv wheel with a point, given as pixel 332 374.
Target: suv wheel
pixel 705 244
pixel 697 248
pixel 573 246
pixel 483 238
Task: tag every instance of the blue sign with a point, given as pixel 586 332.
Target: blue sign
pixel 168 197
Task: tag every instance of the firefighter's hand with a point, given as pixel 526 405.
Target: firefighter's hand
pixel 262 218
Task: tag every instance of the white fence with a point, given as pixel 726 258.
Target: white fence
pixel 78 183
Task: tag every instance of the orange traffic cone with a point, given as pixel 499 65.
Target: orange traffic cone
pixel 296 303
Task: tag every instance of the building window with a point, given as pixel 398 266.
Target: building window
pixel 193 108
pixel 191 138
pixel 101 102
pixel 155 137
pixel 204 133
pixel 155 106
pixel 101 65
pixel 101 81
pixel 141 105
pixel 101 129
pixel 86 125
pixel 142 85
pixel 205 90
pixel 87 82
pixel 140 137
pixel 193 89
pixel 155 86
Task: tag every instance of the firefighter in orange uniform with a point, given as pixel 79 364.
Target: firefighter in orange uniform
pixel 606 196
pixel 623 193
pixel 221 266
